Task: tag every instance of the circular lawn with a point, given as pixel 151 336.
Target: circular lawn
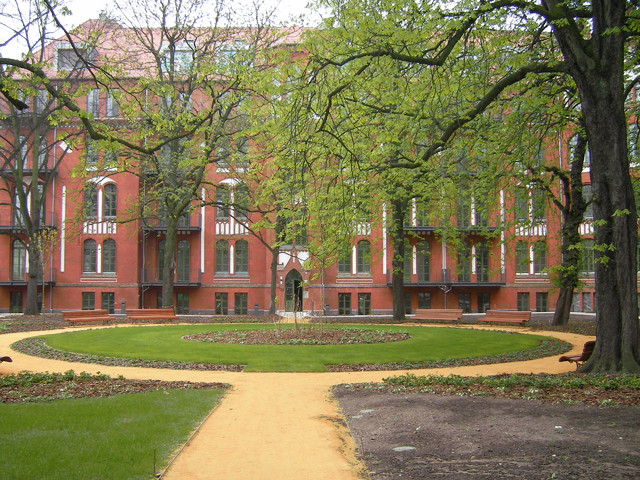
pixel 179 343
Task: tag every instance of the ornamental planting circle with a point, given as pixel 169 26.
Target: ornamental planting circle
pixel 414 347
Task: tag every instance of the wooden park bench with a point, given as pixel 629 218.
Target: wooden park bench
pixel 150 314
pixel 506 316
pixel 86 316
pixel 447 314
pixel 5 359
pixel 587 350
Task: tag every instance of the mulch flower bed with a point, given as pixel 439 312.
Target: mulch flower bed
pixel 299 336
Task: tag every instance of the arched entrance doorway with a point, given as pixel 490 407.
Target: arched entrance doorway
pixel 293 292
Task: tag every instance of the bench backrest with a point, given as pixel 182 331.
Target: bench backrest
pixel 588 348
pixel 83 313
pixel 508 313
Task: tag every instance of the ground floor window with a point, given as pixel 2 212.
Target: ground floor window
pixel 344 304
pixel 182 302
pixel 15 302
pixel 364 304
pixel 424 300
pixel 407 303
pixel 222 303
pixel 108 301
pixel 523 301
pixel 484 302
pixel 241 303
pixel 464 302
pixel 587 306
pixel 542 301
pixel 88 300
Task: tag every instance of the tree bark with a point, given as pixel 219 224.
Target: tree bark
pixel 397 264
pixel 31 302
pixel 275 251
pixel 169 267
pixel 597 67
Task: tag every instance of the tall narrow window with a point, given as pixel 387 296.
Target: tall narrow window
pixel 18 264
pixel 182 303
pixel 539 256
pixel 364 257
pixel 91 152
pixel 90 201
pixel 344 304
pixel 464 263
pixel 183 261
pixel 88 300
pixel 222 303
pixel 408 261
pixel 538 205
pixel 482 262
pixel 344 262
pixel 112 104
pixel 89 256
pixel 109 256
pixel 93 102
pixel 110 197
pixel 108 300
pixel 161 252
pixel 240 303
pixel 241 262
pixel 587 195
pixel 222 202
pixel 588 256
pixel 521 205
pixel 241 202
pixel 464 302
pixel 424 261
pixel 522 257
pixel 364 304
pixel 523 301
pixel 222 256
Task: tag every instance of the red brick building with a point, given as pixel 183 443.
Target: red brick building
pixel 222 269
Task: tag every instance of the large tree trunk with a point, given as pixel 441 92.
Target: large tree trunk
pixel 397 264
pixel 31 305
pixel 600 83
pixel 169 267
pixel 275 251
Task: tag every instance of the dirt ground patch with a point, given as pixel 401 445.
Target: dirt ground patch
pixel 427 436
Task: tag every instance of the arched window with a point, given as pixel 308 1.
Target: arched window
pixel 109 256
pixel 242 257
pixel 241 202
pixel 89 256
pixel 183 261
pixel 364 256
pixel 109 200
pixel 424 261
pixel 222 256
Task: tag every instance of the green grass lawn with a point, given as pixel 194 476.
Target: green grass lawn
pixel 99 438
pixel 166 343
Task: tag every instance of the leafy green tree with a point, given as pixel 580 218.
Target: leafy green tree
pixel 587 42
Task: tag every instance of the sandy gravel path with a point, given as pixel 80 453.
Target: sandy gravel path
pixel 272 426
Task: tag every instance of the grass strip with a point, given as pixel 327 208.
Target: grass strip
pixel 112 438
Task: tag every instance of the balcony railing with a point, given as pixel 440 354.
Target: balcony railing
pixel 18 276
pixel 192 223
pixel 152 277
pixel 452 277
pixel 10 221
